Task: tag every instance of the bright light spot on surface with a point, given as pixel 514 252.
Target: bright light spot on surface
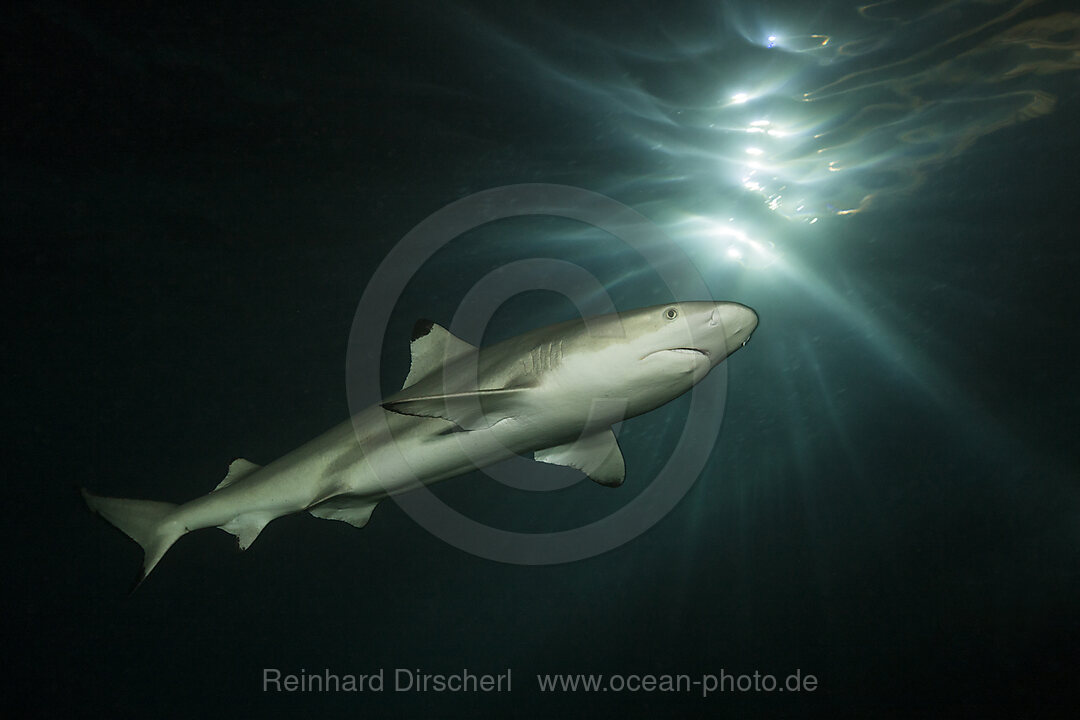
pixel 774 202
pixel 741 248
pixel 754 151
pixel 759 123
pixel 772 41
pixel 812 221
pixel 751 185
pixel 739 98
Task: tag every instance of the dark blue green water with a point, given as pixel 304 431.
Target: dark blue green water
pixel 195 200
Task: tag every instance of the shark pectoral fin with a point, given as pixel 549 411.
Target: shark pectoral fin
pixel 432 347
pixel 346 508
pixel 238 468
pixel 473 410
pixel 597 455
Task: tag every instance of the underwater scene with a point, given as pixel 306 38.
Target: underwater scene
pixel 542 359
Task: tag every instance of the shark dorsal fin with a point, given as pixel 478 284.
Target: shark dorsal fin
pixel 597 455
pixel 432 347
pixel 238 468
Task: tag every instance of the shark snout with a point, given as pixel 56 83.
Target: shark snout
pixel 737 322
pixel 733 317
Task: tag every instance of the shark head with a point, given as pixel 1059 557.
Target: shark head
pixel 688 337
pixel 649 356
pixel 588 372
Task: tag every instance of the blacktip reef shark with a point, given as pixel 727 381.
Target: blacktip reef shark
pixel 553 392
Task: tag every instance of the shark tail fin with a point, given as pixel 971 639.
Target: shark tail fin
pixel 144 521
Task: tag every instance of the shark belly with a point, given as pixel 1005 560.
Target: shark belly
pixel 290 484
pixel 361 461
pixel 392 453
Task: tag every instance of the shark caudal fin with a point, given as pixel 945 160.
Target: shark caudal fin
pixel 144 521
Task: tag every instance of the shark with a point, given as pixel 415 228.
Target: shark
pixel 553 392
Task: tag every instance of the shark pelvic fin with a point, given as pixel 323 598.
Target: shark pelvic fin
pixel 347 508
pixel 597 455
pixel 432 347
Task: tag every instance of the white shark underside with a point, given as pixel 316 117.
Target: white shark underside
pixel 553 392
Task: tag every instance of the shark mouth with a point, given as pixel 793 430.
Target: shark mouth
pixel 681 351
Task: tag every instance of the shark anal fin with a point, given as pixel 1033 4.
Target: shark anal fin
pixel 432 347
pixel 246 527
pixel 347 508
pixel 597 455
pixel 238 468
pixel 473 410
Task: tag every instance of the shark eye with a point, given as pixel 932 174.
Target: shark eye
pixel 671 313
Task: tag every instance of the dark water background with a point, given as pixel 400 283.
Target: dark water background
pixel 194 200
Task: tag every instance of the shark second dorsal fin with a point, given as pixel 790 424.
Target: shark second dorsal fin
pixel 238 468
pixel 432 347
pixel 597 455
